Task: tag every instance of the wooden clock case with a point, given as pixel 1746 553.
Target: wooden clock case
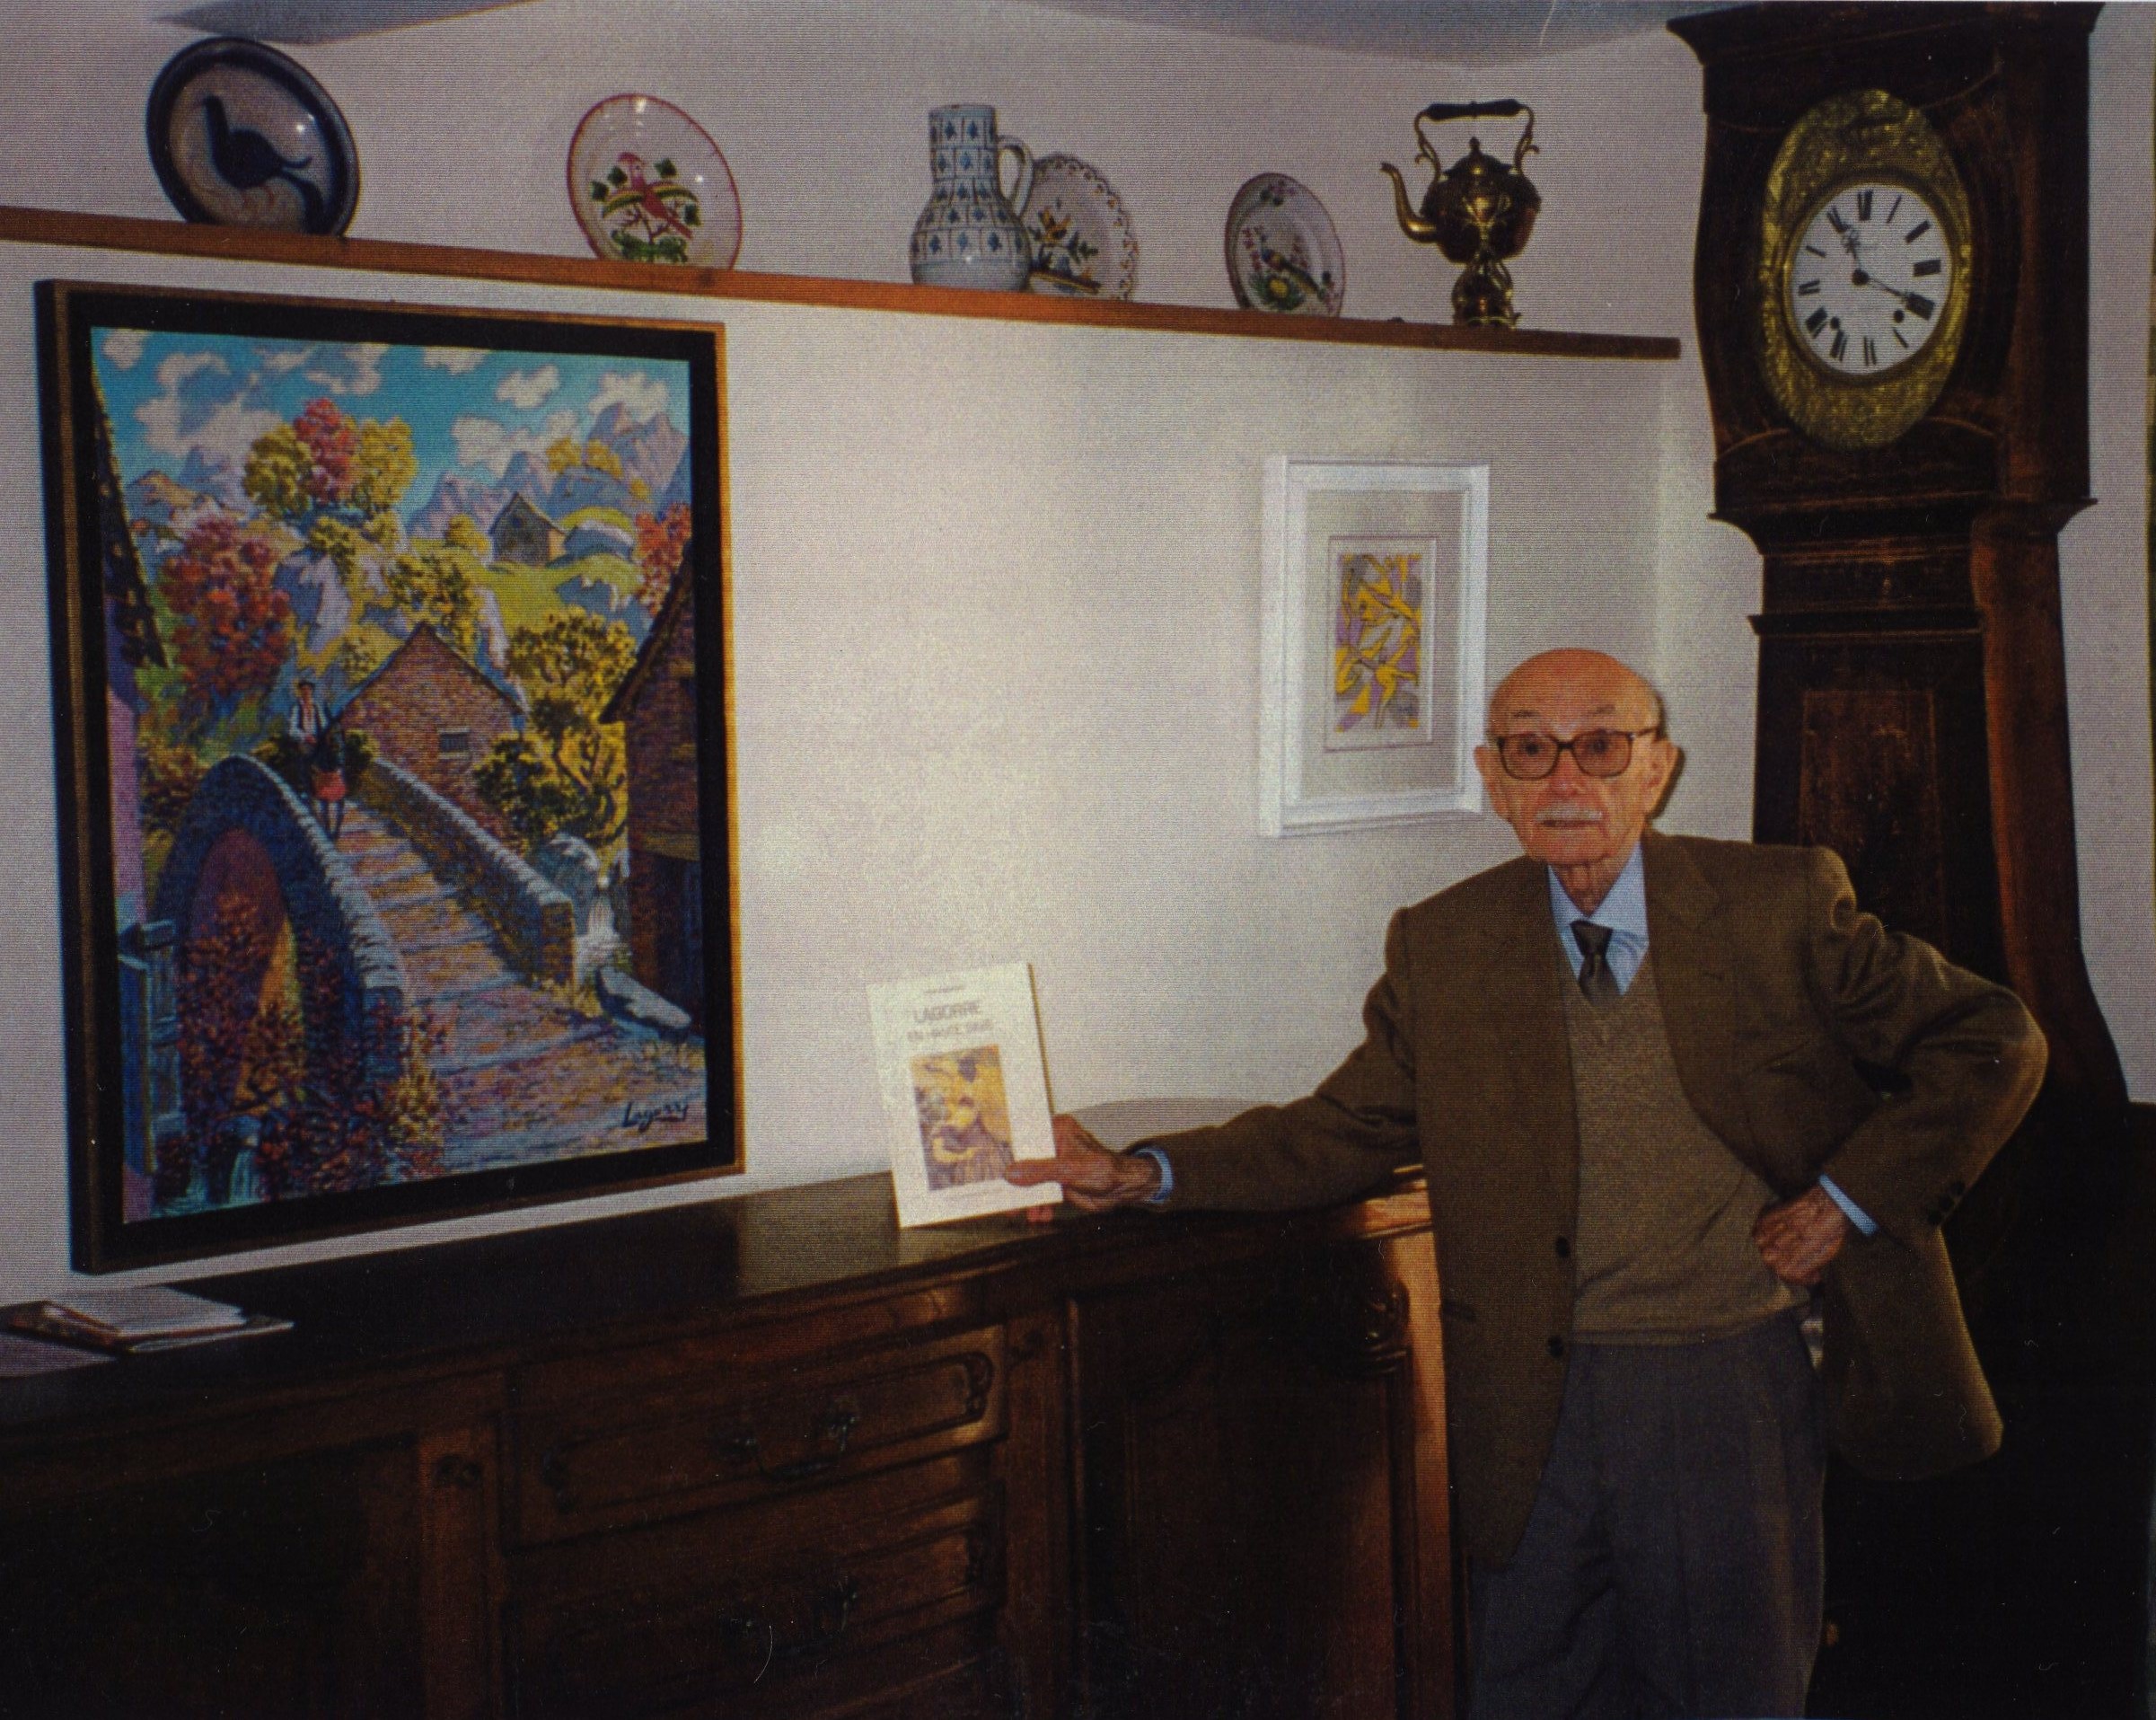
pixel 1912 715
pixel 1911 705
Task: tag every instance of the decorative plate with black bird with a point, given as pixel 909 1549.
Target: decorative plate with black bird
pixel 242 136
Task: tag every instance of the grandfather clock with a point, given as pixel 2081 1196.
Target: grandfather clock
pixel 1891 288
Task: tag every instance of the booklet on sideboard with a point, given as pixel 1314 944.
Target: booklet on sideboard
pixel 965 1090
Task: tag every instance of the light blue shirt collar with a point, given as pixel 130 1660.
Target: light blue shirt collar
pixel 1624 910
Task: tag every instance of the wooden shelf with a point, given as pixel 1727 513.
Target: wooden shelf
pixel 386 256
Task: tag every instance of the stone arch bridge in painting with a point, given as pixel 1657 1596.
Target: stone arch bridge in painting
pixel 248 864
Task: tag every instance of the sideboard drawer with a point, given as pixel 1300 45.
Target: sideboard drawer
pixel 648 1450
pixel 814 1605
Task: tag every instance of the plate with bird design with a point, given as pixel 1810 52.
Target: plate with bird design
pixel 242 136
pixel 1283 254
pixel 1083 246
pixel 649 186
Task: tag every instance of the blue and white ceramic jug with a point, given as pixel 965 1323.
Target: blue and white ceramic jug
pixel 970 234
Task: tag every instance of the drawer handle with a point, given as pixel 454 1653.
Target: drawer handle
pixel 830 1612
pixel 742 1445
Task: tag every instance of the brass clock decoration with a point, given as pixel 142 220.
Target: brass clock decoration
pixel 1864 270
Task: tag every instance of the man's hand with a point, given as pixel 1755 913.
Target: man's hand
pixel 1094 1179
pixel 1798 1238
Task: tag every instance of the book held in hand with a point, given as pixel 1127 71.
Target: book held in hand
pixel 965 1090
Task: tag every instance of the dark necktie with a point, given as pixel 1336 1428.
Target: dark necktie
pixel 1598 984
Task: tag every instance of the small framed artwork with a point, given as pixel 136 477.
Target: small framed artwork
pixel 390 679
pixel 1372 642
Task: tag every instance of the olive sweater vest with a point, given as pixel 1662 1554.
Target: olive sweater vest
pixel 1664 1251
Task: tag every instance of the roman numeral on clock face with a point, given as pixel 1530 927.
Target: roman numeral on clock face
pixel 1864 204
pixel 1917 233
pixel 1814 323
pixel 1834 220
pixel 1871 353
pixel 1928 266
pixel 1807 289
pixel 1919 305
pixel 1840 346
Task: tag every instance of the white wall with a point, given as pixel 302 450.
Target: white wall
pixel 2104 562
pixel 1037 736
pixel 996 586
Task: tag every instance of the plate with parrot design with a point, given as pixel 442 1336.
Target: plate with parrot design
pixel 1283 254
pixel 649 186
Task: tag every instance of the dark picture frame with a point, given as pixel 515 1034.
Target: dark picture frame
pixel 391 682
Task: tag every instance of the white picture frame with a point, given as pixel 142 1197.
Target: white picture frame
pixel 1373 642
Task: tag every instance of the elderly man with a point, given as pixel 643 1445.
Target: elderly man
pixel 1663 1089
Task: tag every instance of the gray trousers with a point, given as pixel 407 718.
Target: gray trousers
pixel 1672 1562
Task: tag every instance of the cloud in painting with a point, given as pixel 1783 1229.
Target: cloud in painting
pixel 123 347
pixel 363 375
pixel 202 406
pixel 485 442
pixel 277 361
pixel 457 361
pixel 642 397
pixel 527 389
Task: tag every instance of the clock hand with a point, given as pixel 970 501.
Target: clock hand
pixel 1862 280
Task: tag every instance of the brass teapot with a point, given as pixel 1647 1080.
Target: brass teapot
pixel 1478 212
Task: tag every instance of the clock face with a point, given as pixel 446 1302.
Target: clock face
pixel 1868 277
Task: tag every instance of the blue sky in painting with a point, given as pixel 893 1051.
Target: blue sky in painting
pixel 470 411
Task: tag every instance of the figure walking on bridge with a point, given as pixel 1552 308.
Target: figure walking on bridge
pixel 320 738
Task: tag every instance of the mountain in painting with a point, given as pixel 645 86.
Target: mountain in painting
pixel 456 494
pixel 650 450
pixel 157 500
pixel 216 476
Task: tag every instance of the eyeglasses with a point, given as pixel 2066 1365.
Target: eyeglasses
pixel 1598 752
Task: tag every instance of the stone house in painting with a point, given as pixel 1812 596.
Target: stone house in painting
pixel 524 534
pixel 429 710
pixel 656 704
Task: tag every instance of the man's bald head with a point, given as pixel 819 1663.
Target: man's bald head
pixel 1628 695
pixel 1583 825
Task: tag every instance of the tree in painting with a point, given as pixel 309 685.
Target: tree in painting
pixel 566 770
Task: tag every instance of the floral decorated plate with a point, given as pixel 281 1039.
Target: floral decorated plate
pixel 1082 243
pixel 1283 252
pixel 649 186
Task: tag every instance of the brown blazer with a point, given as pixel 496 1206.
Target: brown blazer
pixel 1771 982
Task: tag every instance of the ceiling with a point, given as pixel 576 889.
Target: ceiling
pixel 1455 32
pixel 303 21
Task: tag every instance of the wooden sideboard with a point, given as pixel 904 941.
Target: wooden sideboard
pixel 762 1456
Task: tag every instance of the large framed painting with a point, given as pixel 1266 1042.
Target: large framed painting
pixel 1373 642
pixel 389 652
